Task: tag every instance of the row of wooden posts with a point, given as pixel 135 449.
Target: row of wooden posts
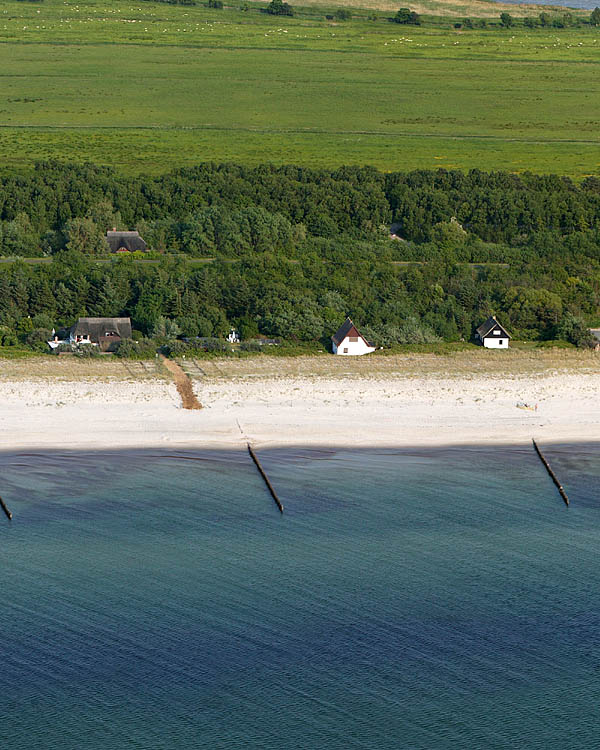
pixel 275 497
pixel 279 504
pixel 553 476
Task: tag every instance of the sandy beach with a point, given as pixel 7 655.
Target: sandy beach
pixel 310 401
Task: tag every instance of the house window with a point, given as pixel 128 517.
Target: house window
pixel 353 339
pixel 501 342
pixel 346 350
pixel 496 332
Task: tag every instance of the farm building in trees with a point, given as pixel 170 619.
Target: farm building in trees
pixel 492 335
pixel 125 242
pixel 349 341
pixel 105 333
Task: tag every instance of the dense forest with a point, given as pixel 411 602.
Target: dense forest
pixel 288 252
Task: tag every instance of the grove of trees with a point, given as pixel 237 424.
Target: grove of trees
pixel 291 251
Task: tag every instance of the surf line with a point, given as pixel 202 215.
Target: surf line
pixel 263 474
pixel 5 509
pixel 553 476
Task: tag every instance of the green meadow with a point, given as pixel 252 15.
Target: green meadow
pixel 145 87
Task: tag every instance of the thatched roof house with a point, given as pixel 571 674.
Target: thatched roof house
pixel 105 332
pixel 125 242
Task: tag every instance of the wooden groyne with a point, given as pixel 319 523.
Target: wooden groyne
pixel 5 509
pixel 553 476
pixel 265 477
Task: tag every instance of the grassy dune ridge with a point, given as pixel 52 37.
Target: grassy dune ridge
pixel 451 8
pixel 146 87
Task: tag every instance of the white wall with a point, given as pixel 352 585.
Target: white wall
pixel 355 348
pixel 495 342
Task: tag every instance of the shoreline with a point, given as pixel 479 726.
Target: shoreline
pixel 345 411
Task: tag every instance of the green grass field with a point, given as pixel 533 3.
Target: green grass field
pixel 145 87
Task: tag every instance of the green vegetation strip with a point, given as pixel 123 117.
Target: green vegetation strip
pixel 148 88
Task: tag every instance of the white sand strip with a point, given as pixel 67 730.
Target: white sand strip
pixel 361 411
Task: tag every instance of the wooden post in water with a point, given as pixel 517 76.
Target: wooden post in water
pixel 265 477
pixel 553 476
pixel 5 509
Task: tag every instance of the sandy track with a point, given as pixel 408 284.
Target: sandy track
pixel 183 384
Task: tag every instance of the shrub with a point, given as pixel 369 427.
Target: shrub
pixel 250 346
pixel 279 8
pixel 218 4
pixel 8 337
pixel 215 345
pixel 41 320
pixel 142 349
pixel 165 329
pixel 575 331
pixel 38 339
pixel 343 14
pixel 87 351
pixel 176 348
pixel 62 348
pixel 405 15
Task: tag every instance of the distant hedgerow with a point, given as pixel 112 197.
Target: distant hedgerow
pixel 279 8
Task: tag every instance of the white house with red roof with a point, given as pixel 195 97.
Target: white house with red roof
pixel 349 341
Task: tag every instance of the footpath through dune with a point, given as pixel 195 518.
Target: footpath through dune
pixel 183 384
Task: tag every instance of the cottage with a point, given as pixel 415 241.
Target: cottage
pixel 105 333
pixel 596 334
pixel 125 242
pixel 492 335
pixel 349 341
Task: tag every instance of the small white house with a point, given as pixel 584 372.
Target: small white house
pixel 492 335
pixel 349 341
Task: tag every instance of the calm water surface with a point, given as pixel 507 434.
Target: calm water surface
pixel 425 599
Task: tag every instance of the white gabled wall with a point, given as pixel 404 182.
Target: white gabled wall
pixel 355 348
pixel 496 342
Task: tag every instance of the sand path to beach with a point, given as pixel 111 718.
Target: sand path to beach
pixel 293 403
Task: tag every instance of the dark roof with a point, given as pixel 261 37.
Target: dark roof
pixel 485 328
pixel 98 328
pixel 347 329
pixel 130 241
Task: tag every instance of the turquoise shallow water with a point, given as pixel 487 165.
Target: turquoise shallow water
pixel 406 599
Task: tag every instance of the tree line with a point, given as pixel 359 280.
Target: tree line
pixel 296 250
pixel 220 207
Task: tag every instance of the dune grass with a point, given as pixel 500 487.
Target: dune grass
pixel 468 363
pixel 148 87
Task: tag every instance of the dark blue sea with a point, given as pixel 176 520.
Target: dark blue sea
pixel 405 599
